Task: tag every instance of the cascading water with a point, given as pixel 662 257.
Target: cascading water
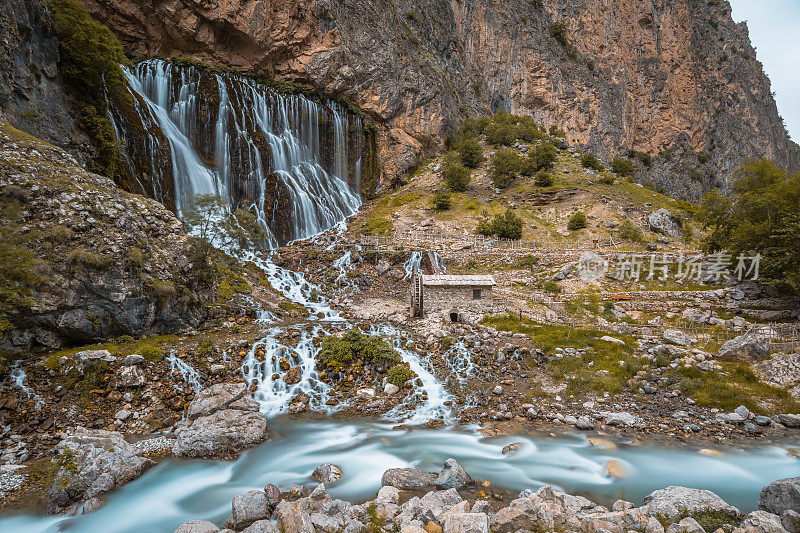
pixel 412 264
pixel 459 362
pixel 438 262
pixel 19 379
pixel 264 147
pixel 429 401
pixel 266 365
pixel 188 375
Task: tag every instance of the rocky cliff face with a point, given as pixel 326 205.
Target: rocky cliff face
pixel 32 93
pixel 672 77
pixel 81 260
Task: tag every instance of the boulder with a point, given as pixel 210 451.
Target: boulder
pixel 673 501
pixel 791 521
pixel 293 517
pixel 790 421
pixel 761 522
pixel 522 514
pixel 663 222
pixel 781 495
pixel 221 422
pixel 133 359
pixel 621 419
pixel 439 502
pixel 466 523
pixel 389 495
pixel 452 476
pixel 781 370
pixel 90 463
pixel 327 473
pixel 247 508
pixel 261 526
pixel 274 495
pixel 197 526
pixel 686 525
pixel 129 376
pixel 750 347
pixel 391 389
pixel 408 478
pixel 674 336
pixel 612 340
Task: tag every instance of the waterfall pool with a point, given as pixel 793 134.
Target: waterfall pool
pixel 177 491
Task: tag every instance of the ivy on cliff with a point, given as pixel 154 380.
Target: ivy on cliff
pixel 91 59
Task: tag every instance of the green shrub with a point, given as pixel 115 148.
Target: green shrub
pixel 441 200
pixel 456 176
pixel 501 133
pixel 164 291
pixel 542 157
pixel 589 160
pixel 470 150
pixel 630 232
pixel 607 179
pixel 643 157
pixel 528 261
pixel 353 345
pixel 205 348
pixel 622 167
pixel 505 166
pixel 551 287
pixel 577 221
pixel 544 179
pixel 558 31
pixel 507 226
pixel 79 257
pixel 399 375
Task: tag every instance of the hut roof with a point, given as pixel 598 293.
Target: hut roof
pixel 453 280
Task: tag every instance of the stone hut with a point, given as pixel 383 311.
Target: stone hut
pixel 453 294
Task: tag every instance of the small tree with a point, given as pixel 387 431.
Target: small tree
pixel 507 226
pixel 577 221
pixel 630 232
pixel 504 167
pixel 589 160
pixel 544 178
pixel 456 176
pixel 622 167
pixel 542 157
pixel 470 150
pixel 441 200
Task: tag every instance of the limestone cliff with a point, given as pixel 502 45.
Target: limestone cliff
pixel 672 77
pixel 81 260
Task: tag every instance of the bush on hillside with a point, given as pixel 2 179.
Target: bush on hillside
pixel 505 226
pixel 505 165
pixel 630 232
pixel 544 178
pixel 622 167
pixel 456 176
pixel 577 221
pixel 589 160
pixel 441 200
pixel 470 150
pixel 542 157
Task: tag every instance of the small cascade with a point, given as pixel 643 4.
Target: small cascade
pixel 413 264
pixel 267 366
pixel 437 262
pixel 459 362
pixel 19 378
pixel 189 375
pixel 285 157
pixel 419 408
pixel 343 263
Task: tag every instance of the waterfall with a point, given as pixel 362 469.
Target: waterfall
pixel 188 374
pixel 19 379
pixel 412 265
pixel 285 157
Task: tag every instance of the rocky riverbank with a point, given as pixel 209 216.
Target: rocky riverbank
pixel 414 501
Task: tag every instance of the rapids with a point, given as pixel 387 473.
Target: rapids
pixel 177 491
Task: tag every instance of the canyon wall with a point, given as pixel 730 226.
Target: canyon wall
pixel 672 77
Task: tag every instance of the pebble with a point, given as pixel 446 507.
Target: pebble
pixel 9 482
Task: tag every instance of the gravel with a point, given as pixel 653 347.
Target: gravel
pixel 156 444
